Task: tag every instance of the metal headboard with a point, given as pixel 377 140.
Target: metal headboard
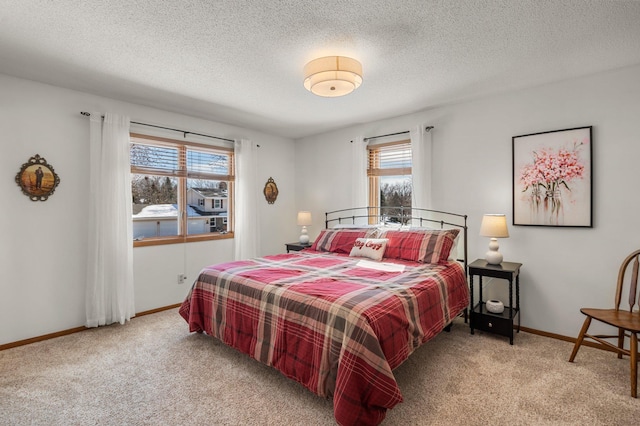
pixel 402 215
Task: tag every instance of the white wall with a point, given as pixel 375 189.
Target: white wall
pixel 563 268
pixel 43 244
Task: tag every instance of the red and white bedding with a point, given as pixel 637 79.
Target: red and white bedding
pixel 328 320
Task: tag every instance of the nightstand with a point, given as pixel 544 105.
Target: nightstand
pixel 482 319
pixel 296 246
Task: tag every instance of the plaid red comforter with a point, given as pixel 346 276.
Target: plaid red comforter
pixel 336 328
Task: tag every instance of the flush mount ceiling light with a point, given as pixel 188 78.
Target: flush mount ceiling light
pixel 332 76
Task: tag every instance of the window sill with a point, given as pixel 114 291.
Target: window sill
pixel 181 240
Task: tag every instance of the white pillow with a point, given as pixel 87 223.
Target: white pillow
pixel 372 248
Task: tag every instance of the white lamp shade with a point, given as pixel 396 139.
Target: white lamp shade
pixel 304 218
pixel 332 76
pixel 494 226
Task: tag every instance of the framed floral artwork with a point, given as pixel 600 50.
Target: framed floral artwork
pixel 552 178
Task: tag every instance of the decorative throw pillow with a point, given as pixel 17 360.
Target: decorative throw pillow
pixel 372 248
pixel 453 253
pixel 421 246
pixel 338 240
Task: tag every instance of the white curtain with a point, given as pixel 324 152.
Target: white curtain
pixel 109 296
pixel 247 237
pixel 359 184
pixel 421 167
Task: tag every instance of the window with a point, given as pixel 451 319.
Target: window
pixel 389 173
pixel 171 182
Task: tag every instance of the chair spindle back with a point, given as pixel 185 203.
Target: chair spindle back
pixel 634 298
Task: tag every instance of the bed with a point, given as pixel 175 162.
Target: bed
pixel 339 316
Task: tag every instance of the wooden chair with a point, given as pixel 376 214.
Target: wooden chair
pixel 627 322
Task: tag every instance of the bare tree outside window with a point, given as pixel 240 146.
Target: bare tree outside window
pixel 395 192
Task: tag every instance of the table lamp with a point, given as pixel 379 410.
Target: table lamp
pixel 304 219
pixel 494 226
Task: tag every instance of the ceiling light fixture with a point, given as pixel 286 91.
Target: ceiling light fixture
pixel 332 76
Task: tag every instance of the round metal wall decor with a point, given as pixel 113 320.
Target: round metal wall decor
pixel 37 179
pixel 270 191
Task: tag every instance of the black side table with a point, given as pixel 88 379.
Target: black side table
pixel 482 319
pixel 296 246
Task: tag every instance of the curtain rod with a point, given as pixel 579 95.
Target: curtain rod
pixel 426 129
pixel 184 132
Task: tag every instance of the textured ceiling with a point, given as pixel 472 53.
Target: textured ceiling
pixel 240 61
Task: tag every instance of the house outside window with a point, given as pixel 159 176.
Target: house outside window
pixel 171 183
pixel 390 179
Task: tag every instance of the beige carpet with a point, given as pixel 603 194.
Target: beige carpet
pixel 152 371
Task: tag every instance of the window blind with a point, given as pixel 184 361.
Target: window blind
pixel 390 159
pixel 163 158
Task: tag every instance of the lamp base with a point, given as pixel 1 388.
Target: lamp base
pixel 493 256
pixel 304 237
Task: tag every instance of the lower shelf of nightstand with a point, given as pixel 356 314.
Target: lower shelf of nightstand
pixel 500 324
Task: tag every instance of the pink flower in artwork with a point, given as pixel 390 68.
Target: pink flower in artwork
pixel 552 168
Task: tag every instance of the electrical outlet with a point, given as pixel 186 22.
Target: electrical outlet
pixel 181 278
